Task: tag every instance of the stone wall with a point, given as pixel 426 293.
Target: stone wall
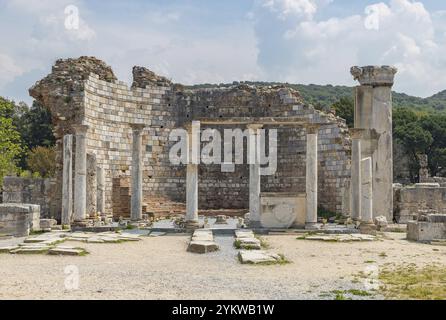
pixel 414 201
pixel 36 191
pixel 19 219
pixel 85 91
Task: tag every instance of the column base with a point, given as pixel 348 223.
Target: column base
pixel 192 225
pixel 368 228
pixel 312 226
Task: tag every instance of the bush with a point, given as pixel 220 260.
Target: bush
pixel 42 161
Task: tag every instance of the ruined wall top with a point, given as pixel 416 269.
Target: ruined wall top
pixel 143 77
pixel 374 75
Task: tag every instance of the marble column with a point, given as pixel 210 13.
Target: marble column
pixel 67 180
pixel 80 174
pixel 254 175
pixel 100 198
pixel 92 186
pixel 192 175
pixel 136 172
pixel 356 173
pixel 311 176
pixel 366 191
pixel 373 110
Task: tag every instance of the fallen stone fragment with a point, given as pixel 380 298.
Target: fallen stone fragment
pixel 258 257
pixel 202 246
pixel 244 234
pixel 248 243
pixel 67 251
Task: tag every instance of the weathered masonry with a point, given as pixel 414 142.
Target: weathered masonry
pixel 124 133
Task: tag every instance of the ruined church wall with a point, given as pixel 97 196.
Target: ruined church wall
pixel 86 89
pixel 230 189
pixel 110 108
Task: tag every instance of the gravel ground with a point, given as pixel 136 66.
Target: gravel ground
pixel 161 268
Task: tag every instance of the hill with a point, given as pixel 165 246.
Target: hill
pixel 323 96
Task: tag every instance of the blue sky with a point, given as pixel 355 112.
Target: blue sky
pixel 197 41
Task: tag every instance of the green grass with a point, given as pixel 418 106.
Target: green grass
pixel 410 282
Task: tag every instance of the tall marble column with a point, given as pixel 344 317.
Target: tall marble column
pixel 254 175
pixel 92 185
pixel 67 180
pixel 136 177
pixel 366 191
pixel 373 110
pixel 100 198
pixel 356 173
pixel 80 174
pixel 192 175
pixel 311 176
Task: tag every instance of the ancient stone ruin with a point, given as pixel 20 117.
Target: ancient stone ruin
pixel 114 147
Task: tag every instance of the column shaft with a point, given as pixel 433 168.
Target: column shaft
pixel 101 189
pixel 80 179
pixel 67 180
pixel 366 191
pixel 356 179
pixel 136 178
pixel 311 177
pixel 194 160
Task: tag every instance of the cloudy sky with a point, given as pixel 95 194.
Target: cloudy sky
pixel 197 41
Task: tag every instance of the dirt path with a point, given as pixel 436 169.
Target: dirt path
pixel 161 268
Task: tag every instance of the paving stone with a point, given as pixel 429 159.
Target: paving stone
pixel 249 243
pixel 157 234
pixel 202 246
pixel 30 250
pixel 67 251
pixel 257 256
pixel 244 234
pixel 8 249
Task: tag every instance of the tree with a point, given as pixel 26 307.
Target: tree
pixel 10 142
pixel 344 108
pixel 42 160
pixel 35 126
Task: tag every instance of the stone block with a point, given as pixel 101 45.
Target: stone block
pixel 47 223
pixel 198 246
pixel 281 210
pixel 257 257
pixel 425 231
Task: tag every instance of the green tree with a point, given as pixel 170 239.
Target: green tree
pixel 344 108
pixel 10 142
pixel 35 126
pixel 42 160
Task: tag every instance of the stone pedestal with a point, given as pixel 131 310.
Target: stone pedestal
pixel 101 189
pixel 67 180
pixel 254 175
pixel 373 110
pixel 136 177
pixel 192 175
pixel 311 176
pixel 80 174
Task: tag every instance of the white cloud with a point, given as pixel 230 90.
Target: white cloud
pixel 9 69
pixel 408 36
